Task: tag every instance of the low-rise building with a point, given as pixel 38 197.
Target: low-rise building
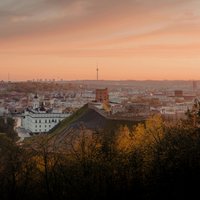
pixel 38 119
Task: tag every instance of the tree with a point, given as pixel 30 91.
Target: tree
pixel 11 163
pixel 193 115
pixel 124 139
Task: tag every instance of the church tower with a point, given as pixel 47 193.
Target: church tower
pixel 36 102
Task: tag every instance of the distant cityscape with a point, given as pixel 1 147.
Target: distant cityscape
pixel 38 106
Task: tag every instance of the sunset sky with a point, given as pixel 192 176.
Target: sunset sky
pixel 129 39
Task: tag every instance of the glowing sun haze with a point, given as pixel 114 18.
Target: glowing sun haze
pixel 130 39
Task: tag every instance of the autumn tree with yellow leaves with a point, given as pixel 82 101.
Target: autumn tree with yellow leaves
pixel 151 160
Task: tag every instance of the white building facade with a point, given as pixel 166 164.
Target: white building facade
pixel 40 120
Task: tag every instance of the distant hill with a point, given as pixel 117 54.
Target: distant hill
pixel 85 119
pixel 91 120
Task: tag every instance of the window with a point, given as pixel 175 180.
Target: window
pixel 39 121
pixel 35 121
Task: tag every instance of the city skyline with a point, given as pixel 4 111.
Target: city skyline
pixel 130 40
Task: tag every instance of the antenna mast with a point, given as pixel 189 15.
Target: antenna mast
pixel 97 72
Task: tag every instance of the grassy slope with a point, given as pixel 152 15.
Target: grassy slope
pixel 69 120
pixel 109 126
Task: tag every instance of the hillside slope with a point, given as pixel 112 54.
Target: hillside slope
pixel 85 119
pixel 91 120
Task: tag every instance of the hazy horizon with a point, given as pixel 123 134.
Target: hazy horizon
pixel 101 80
pixel 127 39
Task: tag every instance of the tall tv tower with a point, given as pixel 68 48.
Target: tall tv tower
pixel 97 72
